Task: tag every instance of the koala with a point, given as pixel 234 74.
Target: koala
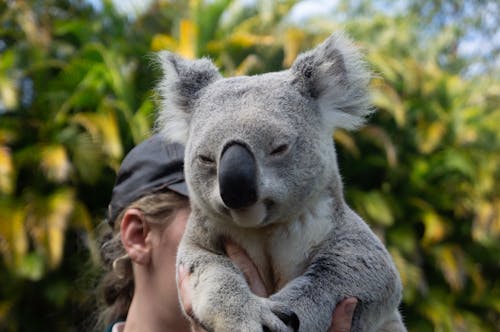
pixel 261 169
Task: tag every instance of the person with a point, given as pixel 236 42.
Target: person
pixel 147 216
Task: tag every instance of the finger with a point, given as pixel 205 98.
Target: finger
pixel 240 258
pixel 184 290
pixel 342 315
pixel 185 294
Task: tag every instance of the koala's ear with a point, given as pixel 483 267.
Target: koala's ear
pixel 335 75
pixel 177 90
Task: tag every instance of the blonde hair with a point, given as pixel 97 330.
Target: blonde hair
pixel 116 286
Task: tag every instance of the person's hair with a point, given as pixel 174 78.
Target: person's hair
pixel 116 286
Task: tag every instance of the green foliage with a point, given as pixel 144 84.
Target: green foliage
pixel 76 94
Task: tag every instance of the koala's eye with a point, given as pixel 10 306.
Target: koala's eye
pixel 280 150
pixel 206 160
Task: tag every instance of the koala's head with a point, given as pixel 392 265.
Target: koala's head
pixel 259 149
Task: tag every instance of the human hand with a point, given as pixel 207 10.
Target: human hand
pixel 341 317
pixel 342 314
pixel 240 258
pixel 185 297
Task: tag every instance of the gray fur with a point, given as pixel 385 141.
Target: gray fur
pixel 310 248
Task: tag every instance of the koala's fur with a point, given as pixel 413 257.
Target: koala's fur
pixel 310 248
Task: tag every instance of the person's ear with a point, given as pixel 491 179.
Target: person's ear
pixel 134 232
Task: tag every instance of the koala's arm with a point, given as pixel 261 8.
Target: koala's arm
pixel 353 262
pixel 221 298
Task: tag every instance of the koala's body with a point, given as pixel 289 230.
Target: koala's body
pixel 261 169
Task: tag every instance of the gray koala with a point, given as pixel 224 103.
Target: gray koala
pixel 261 169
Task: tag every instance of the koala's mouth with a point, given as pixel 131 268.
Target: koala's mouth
pixel 254 216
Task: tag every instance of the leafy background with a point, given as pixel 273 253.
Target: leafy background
pixel 76 94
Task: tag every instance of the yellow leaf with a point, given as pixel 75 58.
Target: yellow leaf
pixel 411 275
pixel 412 75
pixel 294 38
pixel 141 122
pixel 450 260
pixel 386 98
pixel 27 20
pixel 19 239
pixel 247 40
pixel 163 42
pixel 456 85
pixel 246 65
pixel 55 162
pixel 55 234
pixel 110 135
pixel 103 127
pixel 377 208
pixel 429 135
pixel 8 94
pixel 496 217
pixel 88 122
pixel 474 271
pixel 435 228
pixel 389 69
pixel 486 226
pixel 60 206
pixel 13 236
pixel 439 312
pixel 345 140
pixel 82 218
pixel 6 171
pixel 188 35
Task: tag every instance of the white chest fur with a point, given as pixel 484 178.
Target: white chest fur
pixel 281 253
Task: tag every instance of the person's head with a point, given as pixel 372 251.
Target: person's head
pixel 147 215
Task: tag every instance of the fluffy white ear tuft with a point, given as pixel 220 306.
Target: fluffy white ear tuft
pixel 177 91
pixel 335 74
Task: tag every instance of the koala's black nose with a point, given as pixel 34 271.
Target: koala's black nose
pixel 237 177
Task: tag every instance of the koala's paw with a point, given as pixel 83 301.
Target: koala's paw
pixel 275 317
pixel 261 315
pixel 286 316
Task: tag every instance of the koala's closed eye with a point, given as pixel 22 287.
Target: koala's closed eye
pixel 282 147
pixel 280 150
pixel 206 160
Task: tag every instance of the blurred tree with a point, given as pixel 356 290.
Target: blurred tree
pixel 76 94
pixel 69 104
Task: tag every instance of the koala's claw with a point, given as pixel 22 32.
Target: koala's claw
pixel 273 317
pixel 287 316
pixel 288 320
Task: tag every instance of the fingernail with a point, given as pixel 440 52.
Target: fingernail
pixel 350 306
